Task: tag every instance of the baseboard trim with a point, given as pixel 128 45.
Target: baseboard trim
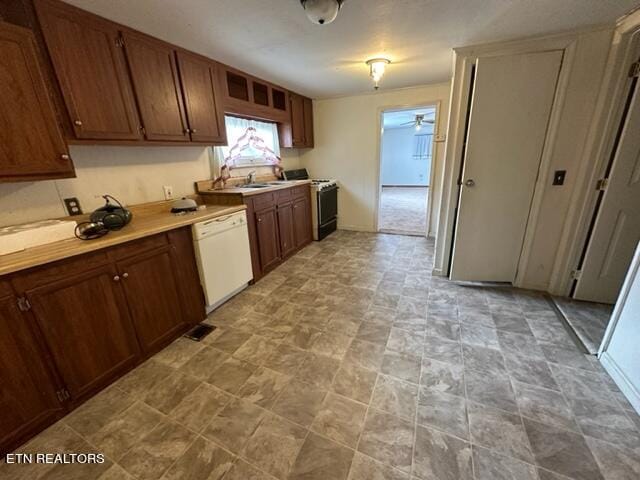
pixel 404 186
pixel 356 228
pixel 623 382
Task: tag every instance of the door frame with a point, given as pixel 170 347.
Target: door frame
pixel 464 60
pixel 437 105
pixel 607 117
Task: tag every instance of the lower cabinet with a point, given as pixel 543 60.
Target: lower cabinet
pixel 302 221
pixel 150 286
pixel 286 229
pixel 281 227
pixel 267 233
pixel 70 328
pixel 86 327
pixel 28 401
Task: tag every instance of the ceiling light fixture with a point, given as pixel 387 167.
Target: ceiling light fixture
pixel 322 12
pixel 377 67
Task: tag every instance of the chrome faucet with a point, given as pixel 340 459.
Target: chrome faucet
pixel 251 177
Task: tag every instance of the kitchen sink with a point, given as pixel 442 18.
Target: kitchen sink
pixel 256 185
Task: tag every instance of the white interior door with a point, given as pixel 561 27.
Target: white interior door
pixel 617 227
pixel 512 100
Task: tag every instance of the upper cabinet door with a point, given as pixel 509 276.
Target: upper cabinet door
pixel 202 100
pixel 31 143
pixel 157 87
pixel 308 122
pixel 90 66
pixel 297 120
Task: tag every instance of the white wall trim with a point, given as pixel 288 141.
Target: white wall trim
pixel 609 108
pixel 609 364
pixel 437 104
pixel 621 380
pixel 355 228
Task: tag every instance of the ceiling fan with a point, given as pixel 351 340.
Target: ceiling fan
pixel 419 121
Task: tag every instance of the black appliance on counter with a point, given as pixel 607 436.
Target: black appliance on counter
pixel 324 202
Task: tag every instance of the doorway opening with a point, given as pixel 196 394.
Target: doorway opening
pixel 406 158
pixel 614 229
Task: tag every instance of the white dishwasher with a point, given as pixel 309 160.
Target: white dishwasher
pixel 224 259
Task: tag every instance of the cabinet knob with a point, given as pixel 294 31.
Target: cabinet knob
pixel 116 278
pixel 259 220
pixel 78 123
pixel 64 156
pixel 125 275
pixel 186 130
pixel 193 130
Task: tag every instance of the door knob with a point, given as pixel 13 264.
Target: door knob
pixel 470 183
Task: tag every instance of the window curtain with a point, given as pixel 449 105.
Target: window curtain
pixel 236 128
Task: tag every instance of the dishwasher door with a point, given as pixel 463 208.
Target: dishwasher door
pixel 223 255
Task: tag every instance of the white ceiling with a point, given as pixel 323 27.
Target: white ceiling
pixel 397 119
pixel 273 38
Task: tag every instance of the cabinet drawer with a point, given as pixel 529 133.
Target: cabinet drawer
pixel 264 200
pixel 284 196
pixel 301 191
pixel 136 247
pixel 53 272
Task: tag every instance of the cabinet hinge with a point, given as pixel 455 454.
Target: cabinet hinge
pixel 602 184
pixel 634 71
pixel 576 274
pixel 63 395
pixel 142 129
pixel 23 304
pixel 120 42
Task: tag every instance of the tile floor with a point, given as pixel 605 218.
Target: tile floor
pixel 403 210
pixel 368 370
pixel 587 319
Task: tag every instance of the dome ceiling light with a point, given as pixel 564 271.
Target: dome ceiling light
pixel 322 12
pixel 377 67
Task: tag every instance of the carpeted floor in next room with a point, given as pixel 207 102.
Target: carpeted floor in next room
pixel 369 369
pixel 403 210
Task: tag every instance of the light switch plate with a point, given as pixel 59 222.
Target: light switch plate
pixel 168 192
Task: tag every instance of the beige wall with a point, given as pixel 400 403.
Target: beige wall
pixel 131 174
pixel 346 133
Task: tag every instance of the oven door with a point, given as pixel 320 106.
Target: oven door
pixel 327 205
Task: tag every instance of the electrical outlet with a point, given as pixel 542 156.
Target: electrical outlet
pixel 73 206
pixel 168 192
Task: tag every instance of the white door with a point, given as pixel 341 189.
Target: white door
pixel 617 227
pixel 512 100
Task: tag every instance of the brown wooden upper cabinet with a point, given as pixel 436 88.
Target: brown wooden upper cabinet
pixel 301 121
pixel 92 72
pixel 200 85
pixel 249 96
pixel 32 144
pixel 157 87
pixel 307 107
